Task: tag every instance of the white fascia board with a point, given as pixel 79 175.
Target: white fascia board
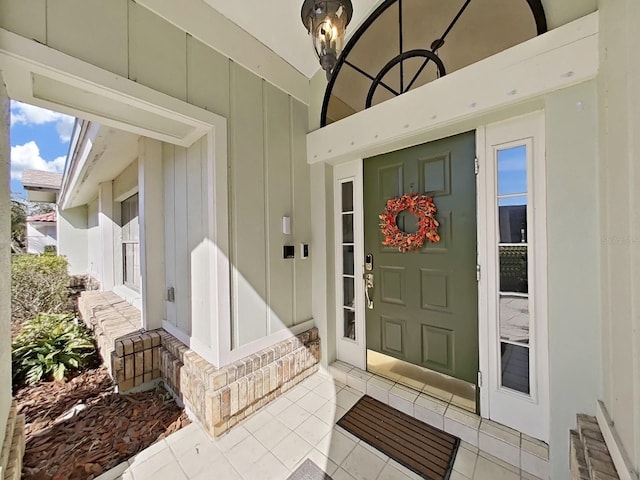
pixel 218 32
pixel 560 58
pixel 46 77
pixel 78 153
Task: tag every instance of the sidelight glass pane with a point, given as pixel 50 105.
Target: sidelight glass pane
pixel 512 170
pixel 347 259
pixel 347 228
pixel 349 324
pixel 347 197
pixel 512 218
pixel 515 367
pixel 514 268
pixel 348 289
pixel 514 318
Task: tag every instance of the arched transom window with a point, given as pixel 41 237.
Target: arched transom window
pixel 405 44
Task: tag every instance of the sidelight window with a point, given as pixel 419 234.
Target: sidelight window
pixel 348 260
pixel 513 258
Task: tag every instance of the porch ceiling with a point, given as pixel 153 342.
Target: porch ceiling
pixel 111 151
pixel 277 23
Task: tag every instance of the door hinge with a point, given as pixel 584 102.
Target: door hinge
pixel 478 273
pixel 476 164
pixel 480 379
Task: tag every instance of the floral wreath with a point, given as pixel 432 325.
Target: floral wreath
pixel 423 208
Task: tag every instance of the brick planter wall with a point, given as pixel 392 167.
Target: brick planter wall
pixel 136 359
pixel 589 455
pixel 220 398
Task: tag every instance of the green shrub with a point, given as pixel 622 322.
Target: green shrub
pixel 50 250
pixel 39 284
pixel 50 346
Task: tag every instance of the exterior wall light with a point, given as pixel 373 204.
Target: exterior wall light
pixel 326 21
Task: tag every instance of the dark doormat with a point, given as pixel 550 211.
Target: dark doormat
pixel 424 449
pixel 309 471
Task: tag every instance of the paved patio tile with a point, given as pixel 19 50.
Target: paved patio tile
pixel 273 442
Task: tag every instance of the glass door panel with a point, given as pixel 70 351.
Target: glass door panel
pixel 348 259
pixel 513 294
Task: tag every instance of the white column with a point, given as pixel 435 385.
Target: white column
pixel 151 218
pixel 322 232
pixel 73 241
pixel 5 263
pixel 105 222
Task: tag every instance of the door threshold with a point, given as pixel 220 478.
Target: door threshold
pixel 443 387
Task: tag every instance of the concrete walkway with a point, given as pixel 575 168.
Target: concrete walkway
pixel 272 443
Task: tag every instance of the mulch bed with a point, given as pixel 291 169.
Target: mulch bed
pixel 110 430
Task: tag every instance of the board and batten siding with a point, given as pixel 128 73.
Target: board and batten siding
pixel 268 174
pixel 186 223
pixel 268 179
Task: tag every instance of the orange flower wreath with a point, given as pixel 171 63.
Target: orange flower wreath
pixel 423 208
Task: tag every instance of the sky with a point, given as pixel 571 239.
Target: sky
pixel 39 140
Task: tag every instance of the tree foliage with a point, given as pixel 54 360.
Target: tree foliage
pixel 39 284
pixel 18 226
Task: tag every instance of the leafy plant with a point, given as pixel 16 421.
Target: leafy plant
pixel 50 346
pixel 39 284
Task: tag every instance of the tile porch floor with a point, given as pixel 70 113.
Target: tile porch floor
pixel 273 442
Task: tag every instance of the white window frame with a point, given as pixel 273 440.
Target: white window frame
pixel 123 242
pixel 526 413
pixel 353 352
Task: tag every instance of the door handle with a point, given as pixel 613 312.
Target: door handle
pixel 368 285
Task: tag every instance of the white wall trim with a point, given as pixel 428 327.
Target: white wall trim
pixel 129 294
pixel 106 224
pixel 151 217
pixel 347 350
pixel 467 98
pixel 526 413
pixel 265 342
pixel 129 193
pixel 614 444
pixel 48 78
pixel 183 337
pixel 215 30
pixel 241 352
pixel 218 253
pixel 482 203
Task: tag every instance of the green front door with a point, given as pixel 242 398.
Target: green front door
pixel 425 302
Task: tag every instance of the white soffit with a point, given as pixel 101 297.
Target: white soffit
pixel 277 25
pixel 107 153
pixel 45 77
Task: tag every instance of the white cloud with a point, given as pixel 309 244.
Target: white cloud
pixel 22 113
pixel 27 156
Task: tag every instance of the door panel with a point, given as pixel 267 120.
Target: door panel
pixel 425 302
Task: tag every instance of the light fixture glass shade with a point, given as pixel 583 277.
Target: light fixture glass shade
pixel 326 21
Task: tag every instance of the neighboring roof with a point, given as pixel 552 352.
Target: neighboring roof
pixel 49 217
pixel 39 179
